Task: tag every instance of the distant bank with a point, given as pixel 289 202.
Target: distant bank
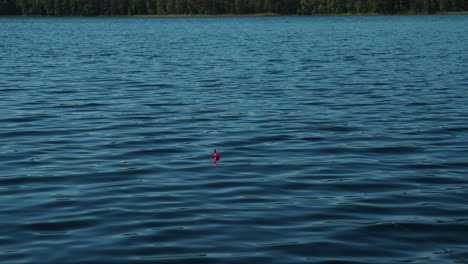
pixel 171 8
pixel 284 15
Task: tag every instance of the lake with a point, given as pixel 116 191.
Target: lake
pixel 342 140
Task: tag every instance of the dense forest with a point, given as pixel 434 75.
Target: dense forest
pixel 216 7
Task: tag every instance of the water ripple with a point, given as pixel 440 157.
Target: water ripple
pixel 342 140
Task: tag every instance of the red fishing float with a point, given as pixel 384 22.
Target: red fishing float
pixel 216 156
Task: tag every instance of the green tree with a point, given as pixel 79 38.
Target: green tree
pixel 241 6
pixel 181 6
pixel 8 7
pixel 444 5
pixel 430 6
pixel 170 7
pixel 150 6
pixel 48 7
pixel 105 7
pixel 362 6
pixel 459 5
pixel 334 6
pixel 161 7
pixel 123 7
pixel 91 8
pixel 23 5
pixel 57 8
pixel 137 7
pixel 114 7
pixel 306 7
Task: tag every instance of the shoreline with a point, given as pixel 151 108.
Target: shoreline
pixel 295 15
pixel 240 15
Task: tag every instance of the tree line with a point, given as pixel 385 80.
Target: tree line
pixel 218 7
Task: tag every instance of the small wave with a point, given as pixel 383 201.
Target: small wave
pixel 60 225
pixel 425 166
pixel 337 128
pixel 397 150
pixel 153 152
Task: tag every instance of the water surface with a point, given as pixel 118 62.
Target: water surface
pixel 342 140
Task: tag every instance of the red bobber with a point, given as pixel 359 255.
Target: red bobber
pixel 216 156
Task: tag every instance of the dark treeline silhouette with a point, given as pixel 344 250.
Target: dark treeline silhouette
pixel 216 7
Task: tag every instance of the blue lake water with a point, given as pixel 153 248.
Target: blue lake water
pixel 342 140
